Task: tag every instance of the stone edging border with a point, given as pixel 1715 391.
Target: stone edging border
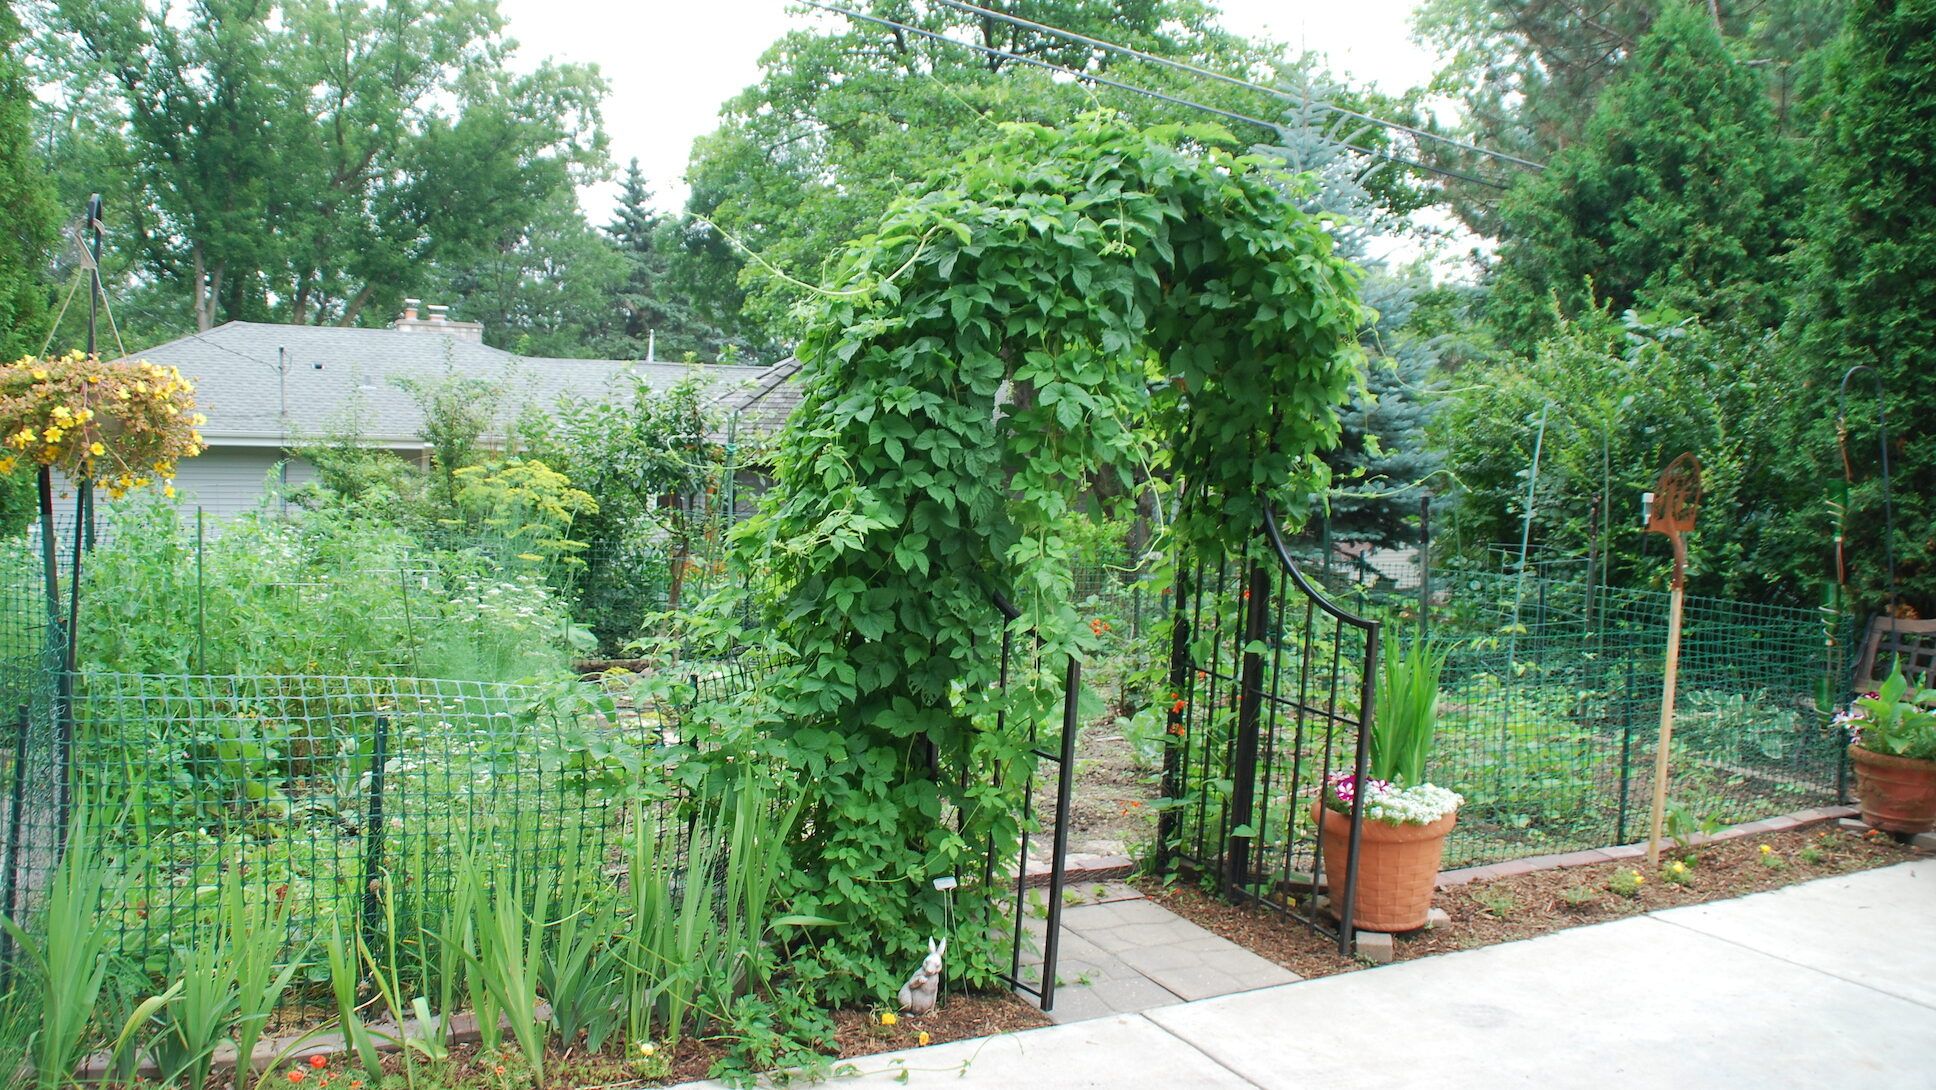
pixel 1801 819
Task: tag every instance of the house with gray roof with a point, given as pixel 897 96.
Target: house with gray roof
pixel 267 390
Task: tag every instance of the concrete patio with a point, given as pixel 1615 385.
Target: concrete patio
pixel 1827 984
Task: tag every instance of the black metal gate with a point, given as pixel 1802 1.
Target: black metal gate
pixel 1054 777
pixel 1271 691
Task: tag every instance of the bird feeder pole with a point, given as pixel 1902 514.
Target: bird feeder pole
pixel 1670 510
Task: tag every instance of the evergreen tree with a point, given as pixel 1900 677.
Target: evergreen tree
pixel 657 298
pixel 649 311
pixel 1680 194
pixel 1381 455
pixel 1866 269
pixel 28 229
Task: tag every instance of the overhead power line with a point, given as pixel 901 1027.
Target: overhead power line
pixel 1161 96
pixel 1184 66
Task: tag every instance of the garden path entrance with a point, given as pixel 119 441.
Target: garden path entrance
pixel 1121 953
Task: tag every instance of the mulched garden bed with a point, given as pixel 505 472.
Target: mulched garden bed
pixel 1525 905
pixel 856 1033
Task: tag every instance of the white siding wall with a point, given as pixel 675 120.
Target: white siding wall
pixel 222 481
pixel 226 481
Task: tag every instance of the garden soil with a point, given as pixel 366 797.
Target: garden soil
pixel 1525 905
pixel 856 1033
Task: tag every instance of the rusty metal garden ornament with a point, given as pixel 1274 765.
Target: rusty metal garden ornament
pixel 1671 510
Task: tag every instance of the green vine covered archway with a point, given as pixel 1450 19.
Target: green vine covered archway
pixel 1063 306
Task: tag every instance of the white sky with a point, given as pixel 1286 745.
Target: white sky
pixel 672 62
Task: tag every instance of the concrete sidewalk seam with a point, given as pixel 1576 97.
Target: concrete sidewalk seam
pixel 1191 1045
pixel 1790 961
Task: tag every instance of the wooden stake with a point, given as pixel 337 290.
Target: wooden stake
pixel 1666 723
pixel 1671 510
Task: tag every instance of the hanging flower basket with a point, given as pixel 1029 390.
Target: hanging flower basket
pixel 119 425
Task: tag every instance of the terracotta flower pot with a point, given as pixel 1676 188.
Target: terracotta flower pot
pixel 1398 867
pixel 1897 794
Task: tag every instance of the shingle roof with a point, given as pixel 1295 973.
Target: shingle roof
pixel 763 403
pixel 330 376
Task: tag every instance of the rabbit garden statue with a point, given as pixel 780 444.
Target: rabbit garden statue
pixel 919 994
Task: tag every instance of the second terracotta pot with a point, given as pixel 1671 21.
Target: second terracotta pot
pixel 1897 794
pixel 1398 868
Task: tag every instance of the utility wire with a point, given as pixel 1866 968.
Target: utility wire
pixel 1183 66
pixel 1144 91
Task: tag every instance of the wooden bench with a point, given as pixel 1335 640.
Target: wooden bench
pixel 1914 642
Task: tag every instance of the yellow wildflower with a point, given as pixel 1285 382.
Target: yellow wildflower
pixel 92 379
pixel 169 491
pixel 40 374
pixel 6 465
pixel 52 434
pixel 890 1018
pixel 96 449
pixel 924 1039
pixel 62 412
pixel 647 1048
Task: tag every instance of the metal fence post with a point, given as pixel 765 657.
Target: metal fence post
pixel 1626 753
pixel 15 798
pixel 1367 719
pixel 1425 566
pixel 1065 774
pixel 1175 737
pixel 1250 707
pixel 373 829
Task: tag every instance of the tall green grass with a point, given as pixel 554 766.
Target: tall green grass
pixel 64 963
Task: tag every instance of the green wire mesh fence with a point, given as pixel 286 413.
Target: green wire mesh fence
pixel 1550 708
pixel 314 792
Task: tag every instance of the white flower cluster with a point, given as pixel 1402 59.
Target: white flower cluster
pixel 1419 805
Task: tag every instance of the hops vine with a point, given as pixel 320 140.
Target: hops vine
pixel 1063 306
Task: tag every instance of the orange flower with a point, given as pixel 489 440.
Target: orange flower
pixel 295 1074
pixel 319 1060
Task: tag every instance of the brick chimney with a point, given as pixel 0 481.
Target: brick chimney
pixel 436 321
